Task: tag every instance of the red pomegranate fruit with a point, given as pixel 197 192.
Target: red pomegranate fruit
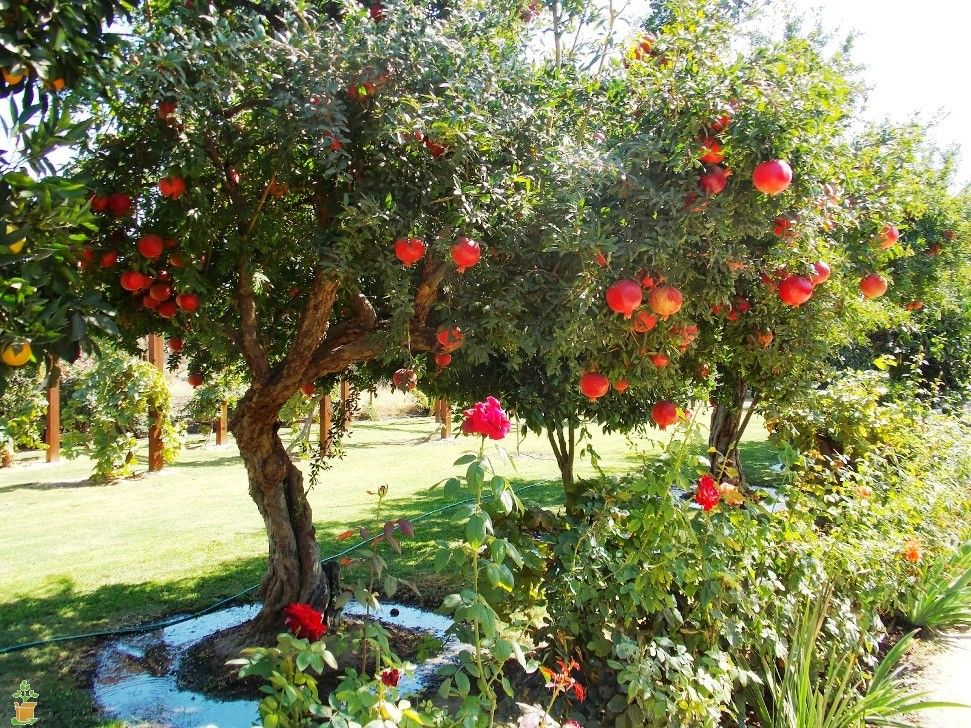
pixel 119 204
pixel 308 389
pixel 666 301
pixel 99 204
pixel 594 385
pixel 132 280
pixel 151 246
pixel 405 379
pixel 795 290
pixel 664 414
pixel 772 177
pixel 449 337
pixel 873 286
pixel 624 297
pixel 659 360
pixel 443 359
pixel 714 181
pixel 175 344
pixel 889 237
pixel 621 385
pixel 168 309
pixel 160 291
pixel 711 151
pixel 109 259
pixel 188 302
pixel 465 253
pixel 409 250
pixel 821 272
pixel 195 379
pixel 644 321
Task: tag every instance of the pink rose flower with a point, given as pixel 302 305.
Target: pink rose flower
pixel 486 419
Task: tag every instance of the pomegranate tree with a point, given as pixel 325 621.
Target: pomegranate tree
pixel 275 207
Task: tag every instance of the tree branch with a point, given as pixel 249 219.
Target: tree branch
pixel 253 350
pixel 312 329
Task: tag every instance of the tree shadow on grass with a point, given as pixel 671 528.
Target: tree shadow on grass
pixel 62 672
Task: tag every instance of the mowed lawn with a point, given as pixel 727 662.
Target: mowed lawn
pixel 80 556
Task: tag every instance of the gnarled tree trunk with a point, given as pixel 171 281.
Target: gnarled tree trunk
pixel 728 421
pixel 294 572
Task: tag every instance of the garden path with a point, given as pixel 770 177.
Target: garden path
pixel 942 667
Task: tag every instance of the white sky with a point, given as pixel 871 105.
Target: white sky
pixel 916 57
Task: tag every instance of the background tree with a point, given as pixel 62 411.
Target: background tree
pixel 48 51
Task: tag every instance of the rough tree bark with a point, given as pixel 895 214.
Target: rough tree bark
pixel 728 422
pixel 562 437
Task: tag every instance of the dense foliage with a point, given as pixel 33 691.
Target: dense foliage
pixel 22 406
pixel 107 406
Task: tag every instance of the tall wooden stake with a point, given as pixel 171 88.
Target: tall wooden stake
pixel 52 433
pixel 222 423
pixel 446 413
pixel 326 408
pixel 156 356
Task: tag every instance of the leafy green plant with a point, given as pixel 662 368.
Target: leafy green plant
pixel 291 690
pixel 22 408
pixel 481 558
pixel 942 596
pixel 810 691
pixel 226 385
pixel 109 404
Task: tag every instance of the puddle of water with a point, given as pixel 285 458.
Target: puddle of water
pixel 135 678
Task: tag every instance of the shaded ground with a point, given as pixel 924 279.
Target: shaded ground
pixel 942 667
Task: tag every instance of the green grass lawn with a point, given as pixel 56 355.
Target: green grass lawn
pixel 80 556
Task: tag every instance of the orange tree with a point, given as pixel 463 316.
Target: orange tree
pixel 48 50
pixel 281 188
pixel 682 213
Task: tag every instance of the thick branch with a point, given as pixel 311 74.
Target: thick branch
pixel 428 287
pixel 253 350
pixel 312 328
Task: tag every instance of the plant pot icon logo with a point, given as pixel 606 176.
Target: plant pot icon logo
pixel 24 705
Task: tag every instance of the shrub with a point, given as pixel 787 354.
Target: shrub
pixel 108 405
pixel 227 386
pixel 22 408
pixel 677 610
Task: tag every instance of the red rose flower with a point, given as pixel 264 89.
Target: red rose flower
pixel 304 621
pixel 486 419
pixel 707 495
pixel 390 677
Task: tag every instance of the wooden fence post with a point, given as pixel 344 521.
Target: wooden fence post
pixel 446 414
pixel 222 423
pixel 156 356
pixel 52 433
pixel 325 423
pixel 345 410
